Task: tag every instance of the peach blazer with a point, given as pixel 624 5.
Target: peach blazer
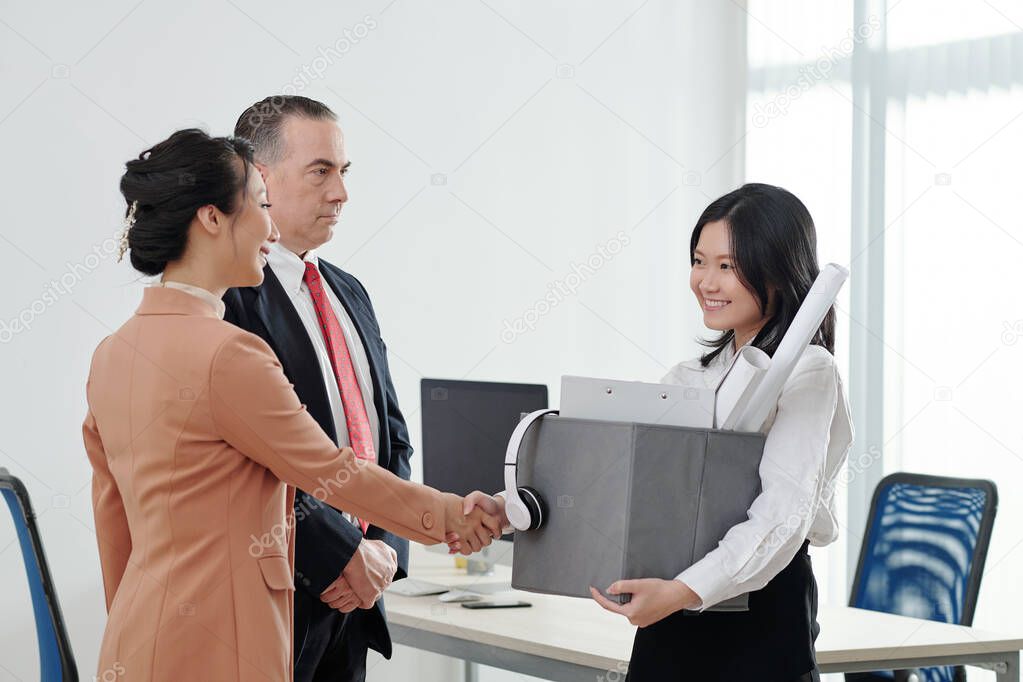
pixel 196 438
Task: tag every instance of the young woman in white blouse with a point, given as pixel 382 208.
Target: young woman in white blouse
pixel 753 255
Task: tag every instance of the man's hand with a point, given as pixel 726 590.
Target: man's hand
pixel 652 599
pixel 340 596
pixel 468 532
pixel 364 579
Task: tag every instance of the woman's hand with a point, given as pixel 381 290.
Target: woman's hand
pixel 491 504
pixel 652 599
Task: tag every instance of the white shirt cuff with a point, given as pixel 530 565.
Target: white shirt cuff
pixel 708 579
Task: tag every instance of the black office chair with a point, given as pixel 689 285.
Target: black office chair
pixel 56 660
pixel 923 556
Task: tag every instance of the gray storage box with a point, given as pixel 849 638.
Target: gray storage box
pixel 629 501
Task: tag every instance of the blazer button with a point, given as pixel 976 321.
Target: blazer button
pixel 427 520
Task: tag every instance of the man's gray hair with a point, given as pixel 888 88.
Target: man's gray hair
pixel 262 123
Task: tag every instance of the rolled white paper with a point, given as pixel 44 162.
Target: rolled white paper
pixel 804 326
pixel 736 388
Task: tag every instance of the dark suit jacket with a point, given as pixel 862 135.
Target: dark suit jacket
pixel 324 540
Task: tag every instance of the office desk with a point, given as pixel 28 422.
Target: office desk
pixel 569 640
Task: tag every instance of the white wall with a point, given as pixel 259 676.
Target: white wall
pixel 496 147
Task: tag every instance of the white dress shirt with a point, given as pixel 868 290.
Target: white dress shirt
pixel 809 437
pixel 208 296
pixel 290 270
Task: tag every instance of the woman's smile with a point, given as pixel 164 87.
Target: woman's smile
pixel 711 305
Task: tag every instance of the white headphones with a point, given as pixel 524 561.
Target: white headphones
pixel 524 507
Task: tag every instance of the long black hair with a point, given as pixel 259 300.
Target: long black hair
pixel 171 181
pixel 774 246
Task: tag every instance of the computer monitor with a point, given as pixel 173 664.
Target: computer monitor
pixel 466 428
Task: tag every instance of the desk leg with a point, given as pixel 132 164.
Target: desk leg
pixel 471 672
pixel 1009 670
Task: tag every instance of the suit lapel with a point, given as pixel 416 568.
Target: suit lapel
pixel 294 349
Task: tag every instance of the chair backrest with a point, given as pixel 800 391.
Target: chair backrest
pixel 924 551
pixel 926 543
pixel 56 660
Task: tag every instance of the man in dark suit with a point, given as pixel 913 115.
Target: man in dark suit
pixel 320 322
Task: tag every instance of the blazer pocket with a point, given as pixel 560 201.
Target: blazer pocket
pixel 276 572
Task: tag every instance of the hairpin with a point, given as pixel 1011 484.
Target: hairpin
pixel 129 221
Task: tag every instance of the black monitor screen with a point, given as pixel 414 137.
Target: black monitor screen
pixel 466 427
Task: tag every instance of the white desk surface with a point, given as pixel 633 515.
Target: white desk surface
pixel 578 631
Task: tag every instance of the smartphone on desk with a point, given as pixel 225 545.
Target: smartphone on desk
pixel 496 604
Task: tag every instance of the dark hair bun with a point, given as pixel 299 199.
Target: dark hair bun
pixel 170 182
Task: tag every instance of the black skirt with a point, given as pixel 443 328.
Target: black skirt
pixel 772 642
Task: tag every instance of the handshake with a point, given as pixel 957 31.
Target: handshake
pixel 479 522
pixel 472 522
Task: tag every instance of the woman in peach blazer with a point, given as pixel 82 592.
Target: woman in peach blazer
pixel 196 439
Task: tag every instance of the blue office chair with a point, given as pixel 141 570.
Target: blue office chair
pixel 923 556
pixel 56 661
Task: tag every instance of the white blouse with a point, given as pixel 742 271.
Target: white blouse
pixel 808 438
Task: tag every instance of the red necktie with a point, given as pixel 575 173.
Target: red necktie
pixel 356 418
